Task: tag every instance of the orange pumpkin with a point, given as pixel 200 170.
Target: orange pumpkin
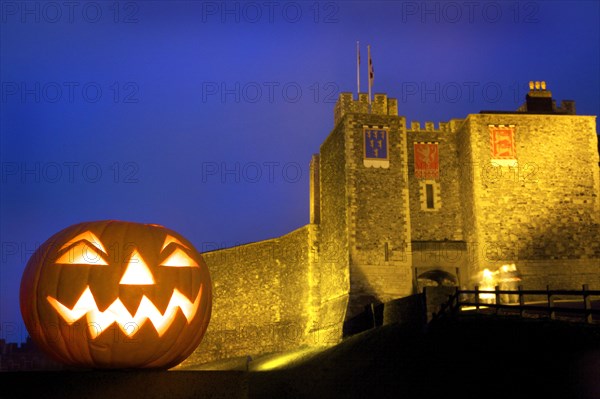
pixel 113 294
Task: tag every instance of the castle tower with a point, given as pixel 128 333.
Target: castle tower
pixel 365 221
pixel 440 249
pixel 531 187
pixel 395 208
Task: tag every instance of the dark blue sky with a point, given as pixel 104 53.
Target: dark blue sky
pixel 137 112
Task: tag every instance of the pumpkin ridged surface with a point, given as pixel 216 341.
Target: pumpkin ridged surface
pixel 48 274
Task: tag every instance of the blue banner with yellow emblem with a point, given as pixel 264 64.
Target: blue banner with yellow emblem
pixel 376 145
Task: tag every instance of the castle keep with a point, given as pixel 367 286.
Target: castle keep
pixel 396 206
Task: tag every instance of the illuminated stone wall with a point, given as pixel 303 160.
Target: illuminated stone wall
pixel 368 232
pixel 542 215
pixel 261 298
pixel 468 172
pixel 377 211
pixel 445 223
pixel 438 235
pixel 333 241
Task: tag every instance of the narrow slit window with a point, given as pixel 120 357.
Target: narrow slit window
pixel 429 195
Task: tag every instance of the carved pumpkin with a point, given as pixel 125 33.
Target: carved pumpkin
pixel 112 294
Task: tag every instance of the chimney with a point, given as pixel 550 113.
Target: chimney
pixel 539 99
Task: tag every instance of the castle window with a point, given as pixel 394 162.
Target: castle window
pixel 429 196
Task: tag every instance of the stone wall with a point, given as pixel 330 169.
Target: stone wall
pixel 314 191
pixel 559 274
pixel 410 310
pixel 435 297
pixel 544 213
pixel 377 208
pixel 469 173
pixel 261 298
pixel 445 223
pixel 333 234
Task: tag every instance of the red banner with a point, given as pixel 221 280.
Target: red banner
pixel 503 142
pixel 427 162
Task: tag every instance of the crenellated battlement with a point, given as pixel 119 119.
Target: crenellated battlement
pixel 381 105
pixel 442 210
pixel 443 127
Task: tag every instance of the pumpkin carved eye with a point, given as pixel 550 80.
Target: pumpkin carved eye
pixel 87 236
pixel 170 239
pixel 84 249
pixel 179 259
pixel 81 254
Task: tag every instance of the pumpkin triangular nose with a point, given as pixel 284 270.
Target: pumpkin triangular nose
pixel 137 272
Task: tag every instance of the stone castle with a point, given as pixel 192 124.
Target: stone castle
pixel 395 207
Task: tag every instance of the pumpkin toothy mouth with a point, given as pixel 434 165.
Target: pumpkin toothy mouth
pixel 99 321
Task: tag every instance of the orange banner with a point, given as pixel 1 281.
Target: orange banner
pixel 427 163
pixel 503 142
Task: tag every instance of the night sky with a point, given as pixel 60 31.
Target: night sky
pixel 203 116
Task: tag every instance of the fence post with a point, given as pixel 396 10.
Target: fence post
pixel 551 312
pixel 521 301
pixel 587 304
pixel 477 299
pixel 497 289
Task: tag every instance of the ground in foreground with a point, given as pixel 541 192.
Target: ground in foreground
pixel 472 357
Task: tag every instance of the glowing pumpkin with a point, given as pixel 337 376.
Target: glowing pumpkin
pixel 112 294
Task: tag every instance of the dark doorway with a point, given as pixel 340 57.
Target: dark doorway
pixel 436 278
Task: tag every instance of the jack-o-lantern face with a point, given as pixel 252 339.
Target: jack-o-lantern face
pixel 114 294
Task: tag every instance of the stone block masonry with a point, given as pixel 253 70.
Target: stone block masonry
pixel 380 230
pixel 261 298
pixel 543 209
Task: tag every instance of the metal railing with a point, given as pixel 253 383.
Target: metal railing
pixel 578 306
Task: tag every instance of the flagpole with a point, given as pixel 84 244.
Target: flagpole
pixel 370 66
pixel 357 69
